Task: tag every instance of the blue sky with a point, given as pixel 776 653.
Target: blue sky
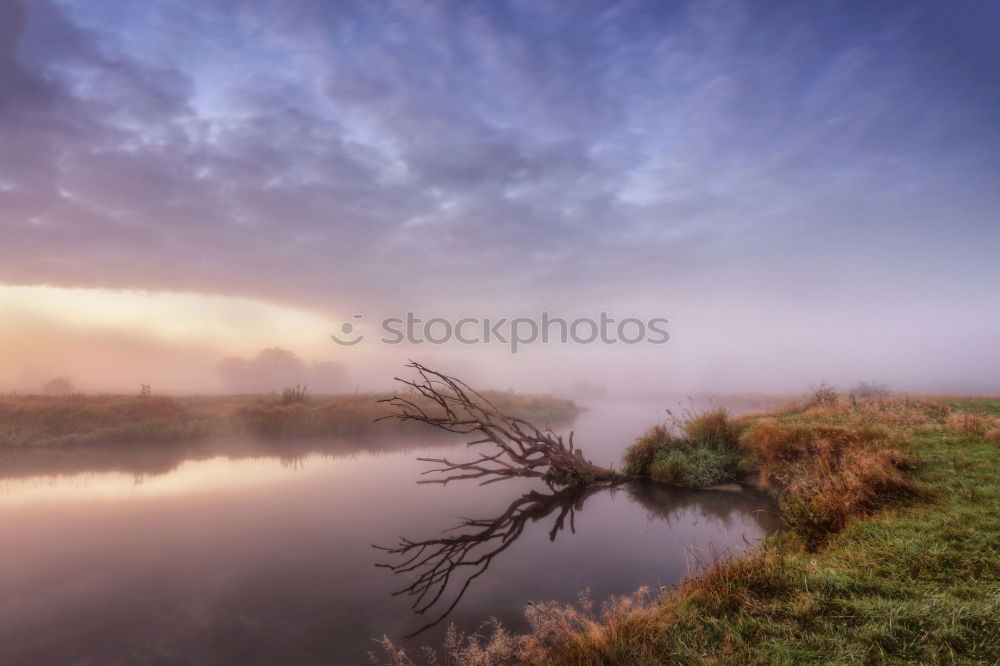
pixel 763 167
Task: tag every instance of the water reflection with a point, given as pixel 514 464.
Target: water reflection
pixel 149 459
pixel 469 547
pixel 247 553
pixel 664 502
pixel 466 551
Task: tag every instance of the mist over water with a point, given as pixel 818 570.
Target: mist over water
pixel 248 558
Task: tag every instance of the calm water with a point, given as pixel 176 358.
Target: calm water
pixel 238 556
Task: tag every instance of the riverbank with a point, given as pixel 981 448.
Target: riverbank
pixel 893 554
pixel 82 421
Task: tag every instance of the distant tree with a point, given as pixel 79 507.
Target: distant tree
pixel 275 368
pixel 870 390
pixel 58 386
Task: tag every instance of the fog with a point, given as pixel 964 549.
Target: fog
pixel 737 349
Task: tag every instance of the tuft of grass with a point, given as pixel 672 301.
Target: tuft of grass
pixel 726 585
pixel 294 394
pixel 823 394
pixel 696 451
pixel 639 457
pixel 972 424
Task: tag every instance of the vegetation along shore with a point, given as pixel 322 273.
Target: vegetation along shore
pixel 892 552
pixel 77 420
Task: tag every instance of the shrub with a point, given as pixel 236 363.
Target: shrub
pixel 705 453
pixel 870 390
pixel 714 430
pixel 639 456
pixel 823 394
pixel 293 394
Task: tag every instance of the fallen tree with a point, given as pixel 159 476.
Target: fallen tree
pixel 518 448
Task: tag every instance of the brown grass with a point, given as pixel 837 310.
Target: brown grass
pixel 835 462
pixel 576 633
pixel 728 583
pixel 78 420
pixel 582 634
pixel 830 464
pixel 973 425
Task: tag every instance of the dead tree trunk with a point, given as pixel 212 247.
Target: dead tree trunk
pixel 518 447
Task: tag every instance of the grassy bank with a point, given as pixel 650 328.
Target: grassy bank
pixel 893 552
pixel 29 421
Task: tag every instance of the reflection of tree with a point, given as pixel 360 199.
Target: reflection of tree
pixel 468 552
pixel 665 502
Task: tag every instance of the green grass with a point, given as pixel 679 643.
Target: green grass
pixel 697 467
pixel 909 578
pixel 915 583
pixel 695 452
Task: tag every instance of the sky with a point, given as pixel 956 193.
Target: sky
pixel 806 191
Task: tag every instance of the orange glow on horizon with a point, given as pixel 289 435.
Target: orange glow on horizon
pixel 105 339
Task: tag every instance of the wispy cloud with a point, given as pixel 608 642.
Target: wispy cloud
pixel 406 154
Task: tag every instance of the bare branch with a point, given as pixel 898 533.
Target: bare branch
pixel 521 448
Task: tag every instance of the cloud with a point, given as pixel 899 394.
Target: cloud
pixel 355 155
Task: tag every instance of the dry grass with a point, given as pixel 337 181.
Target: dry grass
pixel 973 425
pixel 581 634
pixel 891 580
pixel 78 419
pixel 577 633
pixel 81 420
pixel 825 475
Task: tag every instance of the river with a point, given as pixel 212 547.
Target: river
pixel 239 555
